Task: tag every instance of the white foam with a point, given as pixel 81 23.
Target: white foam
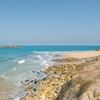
pixel 49 57
pixel 21 61
pixel 39 57
pixel 45 64
pixel 17 98
pixel 34 51
pixel 14 68
pixel 44 61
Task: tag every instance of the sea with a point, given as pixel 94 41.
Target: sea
pixel 27 63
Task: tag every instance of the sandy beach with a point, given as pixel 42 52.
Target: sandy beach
pixel 82 54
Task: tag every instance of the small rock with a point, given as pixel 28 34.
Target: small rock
pixel 28 98
pixel 34 89
pixel 84 97
pixel 26 80
pixel 97 92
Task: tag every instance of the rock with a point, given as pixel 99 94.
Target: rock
pixel 34 89
pixel 10 46
pixel 35 82
pixel 28 98
pixel 26 80
pixel 84 97
pixel 97 50
pixel 84 86
pixel 97 92
pixel 57 55
pixel 42 96
pixel 67 60
pixel 90 94
pixel 38 73
pixel 28 88
pixel 73 67
pixel 31 81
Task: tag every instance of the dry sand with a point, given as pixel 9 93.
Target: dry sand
pixel 81 54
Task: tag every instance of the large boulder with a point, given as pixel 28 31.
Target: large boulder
pixel 84 86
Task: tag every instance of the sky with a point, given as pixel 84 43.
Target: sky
pixel 49 22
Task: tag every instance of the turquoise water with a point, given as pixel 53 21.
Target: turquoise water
pixel 9 58
pixel 18 64
pixel 33 56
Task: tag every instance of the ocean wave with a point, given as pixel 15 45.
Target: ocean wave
pixel 39 57
pixel 62 51
pixel 21 61
pixel 50 57
pixel 35 52
pixel 14 69
pixel 45 63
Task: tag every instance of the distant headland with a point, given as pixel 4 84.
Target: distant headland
pixel 10 46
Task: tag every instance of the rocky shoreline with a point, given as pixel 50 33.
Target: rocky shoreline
pixel 10 46
pixel 67 81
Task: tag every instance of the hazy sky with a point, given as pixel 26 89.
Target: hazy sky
pixel 50 22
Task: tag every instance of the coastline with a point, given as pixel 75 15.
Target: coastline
pixel 49 87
